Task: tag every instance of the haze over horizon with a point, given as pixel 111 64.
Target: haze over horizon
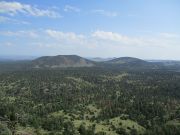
pixel 116 28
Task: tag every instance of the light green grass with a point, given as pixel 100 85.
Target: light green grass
pixel 30 131
pixel 91 111
pixel 98 126
pixel 173 122
pixel 119 123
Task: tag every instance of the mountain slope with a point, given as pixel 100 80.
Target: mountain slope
pixel 61 61
pixel 130 63
pixel 126 60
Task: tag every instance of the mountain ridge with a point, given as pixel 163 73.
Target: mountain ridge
pixel 126 60
pixel 75 61
pixel 61 61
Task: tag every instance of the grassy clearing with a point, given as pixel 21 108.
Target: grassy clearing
pixel 117 122
pixel 25 131
pixel 117 78
pixel 30 131
pixel 80 81
pixel 173 122
pixel 91 111
pixel 103 126
pixel 98 127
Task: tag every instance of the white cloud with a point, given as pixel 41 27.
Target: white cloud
pixel 69 8
pixel 116 37
pixel 96 38
pixel 4 19
pixel 105 13
pixel 13 8
pixel 97 43
pixel 69 37
pixel 31 34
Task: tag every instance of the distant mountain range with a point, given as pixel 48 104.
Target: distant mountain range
pixel 67 61
pixel 77 61
pixel 166 62
pixel 64 61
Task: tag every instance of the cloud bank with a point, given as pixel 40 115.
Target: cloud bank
pixel 97 43
pixel 14 8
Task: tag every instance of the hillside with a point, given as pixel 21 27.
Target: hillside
pixel 126 60
pixel 130 63
pixel 61 61
pixel 68 61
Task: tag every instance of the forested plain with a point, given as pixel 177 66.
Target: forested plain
pixel 90 101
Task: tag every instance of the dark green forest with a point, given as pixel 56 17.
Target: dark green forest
pixel 90 101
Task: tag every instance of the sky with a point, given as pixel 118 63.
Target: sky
pixel 147 29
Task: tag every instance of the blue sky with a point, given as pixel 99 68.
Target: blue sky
pixel 94 28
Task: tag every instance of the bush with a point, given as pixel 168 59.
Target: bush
pixel 4 130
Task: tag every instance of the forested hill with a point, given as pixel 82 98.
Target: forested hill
pixel 126 60
pixel 77 61
pixel 61 61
